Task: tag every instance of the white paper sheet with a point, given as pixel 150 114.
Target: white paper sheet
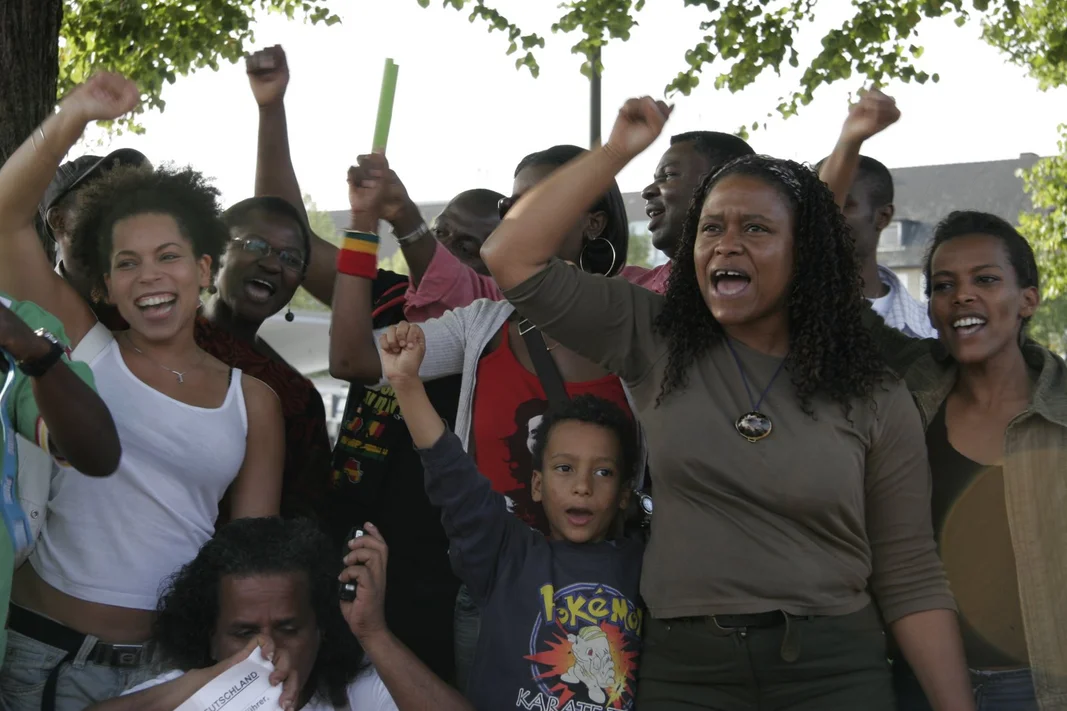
pixel 243 687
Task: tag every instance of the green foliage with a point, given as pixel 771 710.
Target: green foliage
pixel 1035 37
pixel 155 42
pixel 395 263
pixel 496 21
pixel 639 251
pixel 322 225
pixel 749 37
pixel 1046 225
pixel 1049 326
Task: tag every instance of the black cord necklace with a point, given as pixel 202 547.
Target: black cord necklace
pixel 753 425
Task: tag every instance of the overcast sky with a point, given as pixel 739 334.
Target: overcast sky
pixel 464 116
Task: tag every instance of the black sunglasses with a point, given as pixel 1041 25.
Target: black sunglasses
pixel 289 258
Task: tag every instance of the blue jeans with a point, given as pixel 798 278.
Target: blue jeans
pixel 81 683
pixel 993 690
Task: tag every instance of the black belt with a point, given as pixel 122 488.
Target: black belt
pixel 54 634
pixel 740 624
pixel 759 620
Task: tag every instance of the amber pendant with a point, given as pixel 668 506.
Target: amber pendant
pixel 753 426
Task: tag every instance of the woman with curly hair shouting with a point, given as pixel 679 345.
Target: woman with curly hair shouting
pixel 791 478
pixel 189 425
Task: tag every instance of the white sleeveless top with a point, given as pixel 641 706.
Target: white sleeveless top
pixel 114 540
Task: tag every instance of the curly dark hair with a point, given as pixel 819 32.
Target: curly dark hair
pixel 189 604
pixel 126 191
pixel 595 411
pixel 972 222
pixel 830 351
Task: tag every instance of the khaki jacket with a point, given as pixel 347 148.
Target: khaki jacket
pixel 1035 491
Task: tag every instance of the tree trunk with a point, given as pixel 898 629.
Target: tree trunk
pixel 29 66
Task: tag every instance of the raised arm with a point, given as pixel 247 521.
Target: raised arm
pixel 907 577
pixel 25 271
pixel 268 75
pixel 533 231
pixel 353 352
pixel 608 321
pixel 353 345
pixel 475 518
pixel 409 685
pixel 871 115
pixel 257 491
pixel 78 424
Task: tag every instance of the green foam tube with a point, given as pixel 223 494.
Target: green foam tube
pixel 385 106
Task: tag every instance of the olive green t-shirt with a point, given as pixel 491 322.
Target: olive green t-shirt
pixel 807 520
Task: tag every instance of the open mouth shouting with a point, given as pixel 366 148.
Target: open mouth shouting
pixel 968 325
pixel 157 306
pixel 655 212
pixel 579 516
pixel 260 290
pixel 729 283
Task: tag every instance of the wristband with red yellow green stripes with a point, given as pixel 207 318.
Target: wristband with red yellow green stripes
pixel 358 255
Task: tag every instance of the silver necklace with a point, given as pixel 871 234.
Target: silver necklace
pixel 181 376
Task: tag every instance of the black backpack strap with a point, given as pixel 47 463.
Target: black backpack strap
pixel 546 369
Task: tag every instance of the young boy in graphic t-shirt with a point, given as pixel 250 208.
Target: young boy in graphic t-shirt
pixel 561 616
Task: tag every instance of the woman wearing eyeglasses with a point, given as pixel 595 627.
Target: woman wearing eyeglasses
pixel 262 267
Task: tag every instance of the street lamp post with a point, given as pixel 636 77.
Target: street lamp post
pixel 594 102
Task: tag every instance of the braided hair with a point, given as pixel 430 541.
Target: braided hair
pixel 830 351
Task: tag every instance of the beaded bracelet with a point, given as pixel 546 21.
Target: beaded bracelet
pixel 358 255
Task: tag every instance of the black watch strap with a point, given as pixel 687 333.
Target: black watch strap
pixel 39 366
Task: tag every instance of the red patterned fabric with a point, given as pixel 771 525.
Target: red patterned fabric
pixel 306 475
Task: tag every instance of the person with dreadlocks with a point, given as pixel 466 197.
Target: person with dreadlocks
pixel 792 484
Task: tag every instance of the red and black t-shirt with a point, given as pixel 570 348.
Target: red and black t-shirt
pixel 509 403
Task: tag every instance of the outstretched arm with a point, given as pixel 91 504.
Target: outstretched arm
pixel 268 75
pixel 871 115
pixel 480 530
pixel 533 231
pixel 78 424
pixel 410 684
pixel 25 271
pixel 609 321
pixel 353 353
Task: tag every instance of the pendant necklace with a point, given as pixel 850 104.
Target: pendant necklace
pixel 181 376
pixel 753 425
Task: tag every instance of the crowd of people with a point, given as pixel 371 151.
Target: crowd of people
pixel 759 477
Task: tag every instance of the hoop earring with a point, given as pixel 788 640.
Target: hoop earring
pixel 289 314
pixel 581 256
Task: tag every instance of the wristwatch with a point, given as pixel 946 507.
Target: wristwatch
pixel 39 366
pixel 644 503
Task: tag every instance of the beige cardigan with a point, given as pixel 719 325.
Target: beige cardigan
pixel 1035 491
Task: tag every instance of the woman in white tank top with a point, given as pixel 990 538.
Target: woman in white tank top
pixel 189 425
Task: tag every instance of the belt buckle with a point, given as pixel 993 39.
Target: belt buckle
pixel 123 655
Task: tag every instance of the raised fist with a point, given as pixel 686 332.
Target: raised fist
pixel 869 116
pixel 639 123
pixel 403 347
pixel 268 75
pixel 103 97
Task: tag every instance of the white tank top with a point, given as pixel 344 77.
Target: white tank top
pixel 114 540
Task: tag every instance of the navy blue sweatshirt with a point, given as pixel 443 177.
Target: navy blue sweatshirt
pixel 561 622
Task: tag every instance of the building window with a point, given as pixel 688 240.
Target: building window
pixel 891 239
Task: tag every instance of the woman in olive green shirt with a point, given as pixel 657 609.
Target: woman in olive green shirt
pixel 783 501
